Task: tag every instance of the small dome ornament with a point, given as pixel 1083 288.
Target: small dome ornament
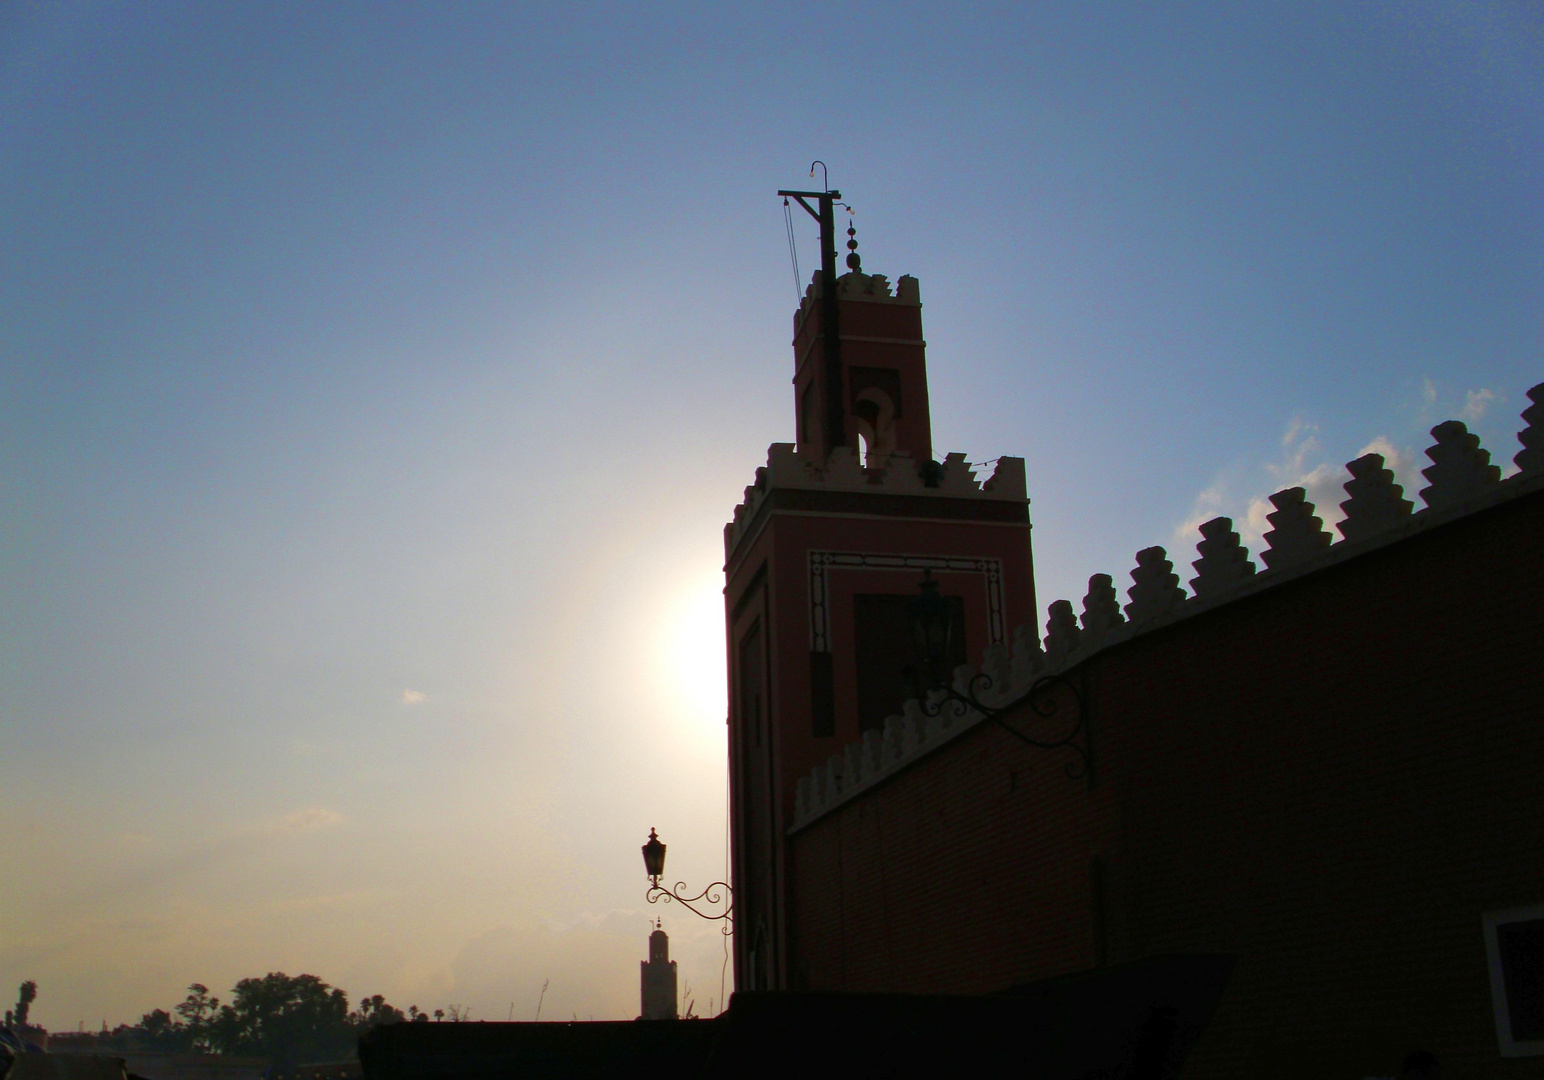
pixel 854 260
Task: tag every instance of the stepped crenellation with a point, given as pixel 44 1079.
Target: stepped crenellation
pixel 1460 467
pixel 1154 586
pixel 1377 503
pixel 856 285
pixel 1224 561
pixel 1296 533
pixel 1062 637
pixel 1530 459
pixel 1101 609
pixel 853 762
pixel 1027 658
pixel 997 666
pixel 899 474
pixel 1461 481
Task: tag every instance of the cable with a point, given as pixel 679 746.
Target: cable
pixel 728 809
pixel 793 252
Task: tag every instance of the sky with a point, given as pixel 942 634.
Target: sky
pixel 376 379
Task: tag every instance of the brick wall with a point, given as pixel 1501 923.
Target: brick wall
pixel 1332 778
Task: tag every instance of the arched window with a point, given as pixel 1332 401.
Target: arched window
pixel 876 425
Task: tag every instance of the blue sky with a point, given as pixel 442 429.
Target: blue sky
pixel 375 381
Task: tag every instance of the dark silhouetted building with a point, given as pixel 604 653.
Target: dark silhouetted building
pixel 1326 766
pixel 659 979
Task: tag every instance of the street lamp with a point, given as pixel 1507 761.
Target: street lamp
pixel 654 867
pixel 932 630
pixel 932 625
pixel 654 858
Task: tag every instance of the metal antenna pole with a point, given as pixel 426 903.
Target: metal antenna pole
pixel 835 413
pixel 836 434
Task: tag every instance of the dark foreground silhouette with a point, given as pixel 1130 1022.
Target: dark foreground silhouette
pixel 1133 1022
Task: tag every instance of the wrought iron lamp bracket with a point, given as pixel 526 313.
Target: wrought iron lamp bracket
pixel 717 893
pixel 1041 698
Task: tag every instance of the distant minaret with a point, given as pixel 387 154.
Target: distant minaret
pixel 659 979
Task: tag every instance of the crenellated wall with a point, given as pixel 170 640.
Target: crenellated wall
pixel 1460 481
pixel 1321 758
pixel 952 478
pixel 872 288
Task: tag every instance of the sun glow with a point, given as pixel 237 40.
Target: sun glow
pixel 693 647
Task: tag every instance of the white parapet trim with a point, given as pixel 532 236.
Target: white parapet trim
pixel 952 478
pixel 1462 482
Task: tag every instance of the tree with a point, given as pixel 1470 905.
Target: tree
pixel 374 1011
pixel 25 996
pixel 290 1019
pixel 158 1031
pixel 198 1011
pixel 198 1005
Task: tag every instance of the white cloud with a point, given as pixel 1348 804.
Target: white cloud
pixel 1295 435
pixel 1303 463
pixel 1395 458
pixel 1322 483
pixel 1475 404
pixel 1208 504
pixel 311 818
pixel 1300 465
pixel 414 697
pixel 1405 462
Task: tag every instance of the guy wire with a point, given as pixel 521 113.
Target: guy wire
pixel 793 252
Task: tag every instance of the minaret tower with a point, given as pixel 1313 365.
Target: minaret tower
pixel 658 979
pixel 822 560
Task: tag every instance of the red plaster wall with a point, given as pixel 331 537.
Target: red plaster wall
pixel 1332 779
pixel 768 581
pixel 874 334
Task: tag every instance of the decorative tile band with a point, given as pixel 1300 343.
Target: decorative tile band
pixel 822 563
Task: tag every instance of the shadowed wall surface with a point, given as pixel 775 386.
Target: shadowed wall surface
pixel 1332 778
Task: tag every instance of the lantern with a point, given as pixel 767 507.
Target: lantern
pixel 932 626
pixel 654 857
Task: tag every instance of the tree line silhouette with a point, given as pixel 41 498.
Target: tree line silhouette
pixel 290 1019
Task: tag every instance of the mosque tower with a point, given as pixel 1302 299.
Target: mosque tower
pixel 821 562
pixel 658 979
